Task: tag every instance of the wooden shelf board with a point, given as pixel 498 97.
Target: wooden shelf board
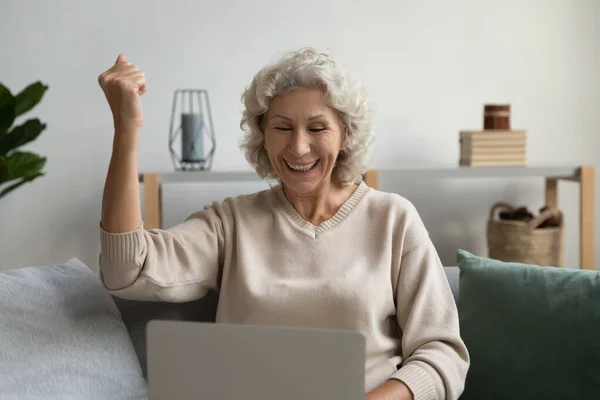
pixel 397 173
pixel 483 172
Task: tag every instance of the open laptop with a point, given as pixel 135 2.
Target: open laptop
pixel 207 361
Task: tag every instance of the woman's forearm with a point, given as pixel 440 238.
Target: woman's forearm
pixel 392 389
pixel 121 209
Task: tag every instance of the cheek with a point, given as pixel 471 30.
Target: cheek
pixel 272 144
pixel 330 144
pixel 268 142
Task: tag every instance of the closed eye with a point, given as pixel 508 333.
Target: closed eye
pixel 279 128
pixel 317 129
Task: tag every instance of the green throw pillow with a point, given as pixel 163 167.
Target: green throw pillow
pixel 532 332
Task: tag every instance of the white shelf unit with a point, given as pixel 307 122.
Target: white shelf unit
pixel 581 174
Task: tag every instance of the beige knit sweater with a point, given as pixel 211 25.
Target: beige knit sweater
pixel 370 268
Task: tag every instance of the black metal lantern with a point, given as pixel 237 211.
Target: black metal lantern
pixel 195 131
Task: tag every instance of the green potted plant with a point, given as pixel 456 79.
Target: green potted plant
pixel 19 167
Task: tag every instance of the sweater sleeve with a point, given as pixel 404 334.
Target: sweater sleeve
pixel 436 359
pixel 177 264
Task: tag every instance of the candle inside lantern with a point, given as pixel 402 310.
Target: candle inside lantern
pixel 192 149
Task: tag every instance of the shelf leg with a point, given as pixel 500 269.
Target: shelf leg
pixel 551 193
pixel 152 203
pixel 586 217
pixel 372 179
pixel 551 201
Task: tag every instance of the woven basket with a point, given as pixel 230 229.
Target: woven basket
pixel 525 242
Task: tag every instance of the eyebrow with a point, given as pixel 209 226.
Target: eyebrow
pixel 288 119
pixel 282 117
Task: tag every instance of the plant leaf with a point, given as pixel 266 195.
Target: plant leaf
pixel 22 181
pixel 7 109
pixel 21 135
pixel 29 97
pixel 4 174
pixel 20 164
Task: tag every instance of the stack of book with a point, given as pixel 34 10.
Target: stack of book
pixel 492 148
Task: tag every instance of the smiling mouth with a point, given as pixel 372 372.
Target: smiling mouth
pixel 302 168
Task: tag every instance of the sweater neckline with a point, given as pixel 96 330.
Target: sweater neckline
pixel 339 216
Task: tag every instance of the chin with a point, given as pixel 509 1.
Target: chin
pixel 302 183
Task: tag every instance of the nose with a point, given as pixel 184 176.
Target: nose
pixel 299 144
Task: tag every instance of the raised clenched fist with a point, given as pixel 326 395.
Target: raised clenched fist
pixel 123 84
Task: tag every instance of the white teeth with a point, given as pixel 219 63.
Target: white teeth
pixel 301 168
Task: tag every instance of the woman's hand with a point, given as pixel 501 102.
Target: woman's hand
pixel 123 84
pixel 392 389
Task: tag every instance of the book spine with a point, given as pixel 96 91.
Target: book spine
pixel 493 157
pixel 475 163
pixel 493 135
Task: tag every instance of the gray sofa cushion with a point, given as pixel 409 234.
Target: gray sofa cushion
pixel 453 276
pixel 62 337
pixel 137 314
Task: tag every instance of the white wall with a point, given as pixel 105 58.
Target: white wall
pixel 429 67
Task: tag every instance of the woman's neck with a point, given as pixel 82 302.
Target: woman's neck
pixel 321 205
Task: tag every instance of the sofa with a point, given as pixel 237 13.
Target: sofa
pixel 64 337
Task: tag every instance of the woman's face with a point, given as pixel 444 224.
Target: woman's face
pixel 303 137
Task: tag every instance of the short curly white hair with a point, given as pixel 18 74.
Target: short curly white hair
pixel 309 69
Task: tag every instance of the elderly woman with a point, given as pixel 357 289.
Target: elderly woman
pixel 319 249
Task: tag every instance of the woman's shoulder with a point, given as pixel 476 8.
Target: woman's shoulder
pixel 392 203
pixel 400 215
pixel 242 210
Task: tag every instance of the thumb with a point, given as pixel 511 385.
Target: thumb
pixel 121 59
